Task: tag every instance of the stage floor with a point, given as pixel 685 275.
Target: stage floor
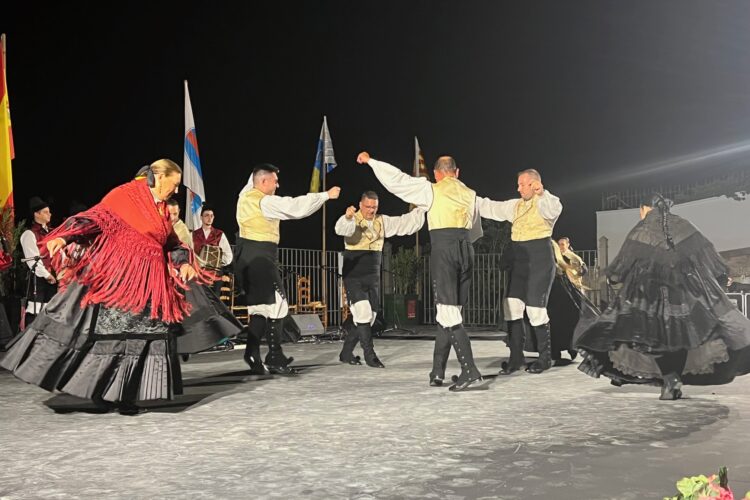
pixel 339 431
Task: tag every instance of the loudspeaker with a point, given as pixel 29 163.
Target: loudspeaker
pixel 308 324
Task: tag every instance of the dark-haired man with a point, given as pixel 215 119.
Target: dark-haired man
pixel 208 237
pixel 364 233
pixel 43 286
pixel 259 212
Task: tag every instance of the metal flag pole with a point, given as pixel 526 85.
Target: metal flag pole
pixel 323 268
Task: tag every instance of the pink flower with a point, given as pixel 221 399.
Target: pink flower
pixel 725 494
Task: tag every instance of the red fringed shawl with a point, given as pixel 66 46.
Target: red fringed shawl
pixel 126 263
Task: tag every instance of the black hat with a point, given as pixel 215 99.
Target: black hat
pixel 36 204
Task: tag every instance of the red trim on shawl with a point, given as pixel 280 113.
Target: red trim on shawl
pixel 126 264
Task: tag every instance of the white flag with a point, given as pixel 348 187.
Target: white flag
pixel 192 172
pixel 420 169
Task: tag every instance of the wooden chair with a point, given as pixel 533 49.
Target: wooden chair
pixel 228 296
pixel 227 290
pixel 306 305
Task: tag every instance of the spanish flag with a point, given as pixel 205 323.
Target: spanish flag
pixel 6 142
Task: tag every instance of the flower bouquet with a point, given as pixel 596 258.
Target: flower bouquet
pixel 705 488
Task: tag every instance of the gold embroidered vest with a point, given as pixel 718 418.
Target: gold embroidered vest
pixel 366 237
pixel 253 225
pixel 452 205
pixel 528 223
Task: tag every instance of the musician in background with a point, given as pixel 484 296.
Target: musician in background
pixel 43 286
pixel 211 246
pixel 573 266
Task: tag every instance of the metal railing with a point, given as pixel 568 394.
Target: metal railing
pixel 590 257
pixel 484 305
pixel 487 284
pixel 297 262
pixel 680 193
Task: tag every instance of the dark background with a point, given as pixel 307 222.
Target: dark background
pixel 593 94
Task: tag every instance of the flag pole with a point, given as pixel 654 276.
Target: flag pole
pixel 323 268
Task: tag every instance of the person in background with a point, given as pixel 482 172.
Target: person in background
pixel 180 228
pixel 43 284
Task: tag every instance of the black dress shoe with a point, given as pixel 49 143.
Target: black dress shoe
pixel 435 381
pixel 375 363
pixel 573 354
pixel 538 367
pixel 256 368
pixel 282 370
pixel 355 360
pixel 506 369
pixel 129 409
pixel 478 384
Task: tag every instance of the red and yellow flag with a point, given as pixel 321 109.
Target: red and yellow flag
pixel 6 140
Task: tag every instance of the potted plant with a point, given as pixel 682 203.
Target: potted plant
pixel 402 303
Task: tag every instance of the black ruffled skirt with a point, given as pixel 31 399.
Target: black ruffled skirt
pixel 661 309
pixel 96 352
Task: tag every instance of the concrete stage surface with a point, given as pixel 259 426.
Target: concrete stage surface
pixel 339 431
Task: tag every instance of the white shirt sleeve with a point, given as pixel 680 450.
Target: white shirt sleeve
pixel 345 227
pixel 496 210
pixel 403 224
pixel 414 190
pixel 28 244
pixel 288 208
pixel 226 250
pixel 549 205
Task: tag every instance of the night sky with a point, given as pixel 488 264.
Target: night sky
pixel 585 92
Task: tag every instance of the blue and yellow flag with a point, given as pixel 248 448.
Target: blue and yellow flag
pixel 323 156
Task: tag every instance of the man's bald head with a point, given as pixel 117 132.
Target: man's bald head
pixel 445 166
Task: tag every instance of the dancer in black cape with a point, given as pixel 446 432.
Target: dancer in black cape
pixel 671 322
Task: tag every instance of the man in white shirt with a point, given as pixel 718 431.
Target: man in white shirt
pixel 533 218
pixel 259 212
pixel 208 235
pixel 43 285
pixel 453 217
pixel 364 233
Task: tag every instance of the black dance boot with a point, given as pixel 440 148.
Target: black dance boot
pixel 470 378
pixel 440 357
pixel 365 338
pixel 276 362
pixel 516 338
pixel 350 342
pixel 670 389
pixel 543 344
pixel 255 333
